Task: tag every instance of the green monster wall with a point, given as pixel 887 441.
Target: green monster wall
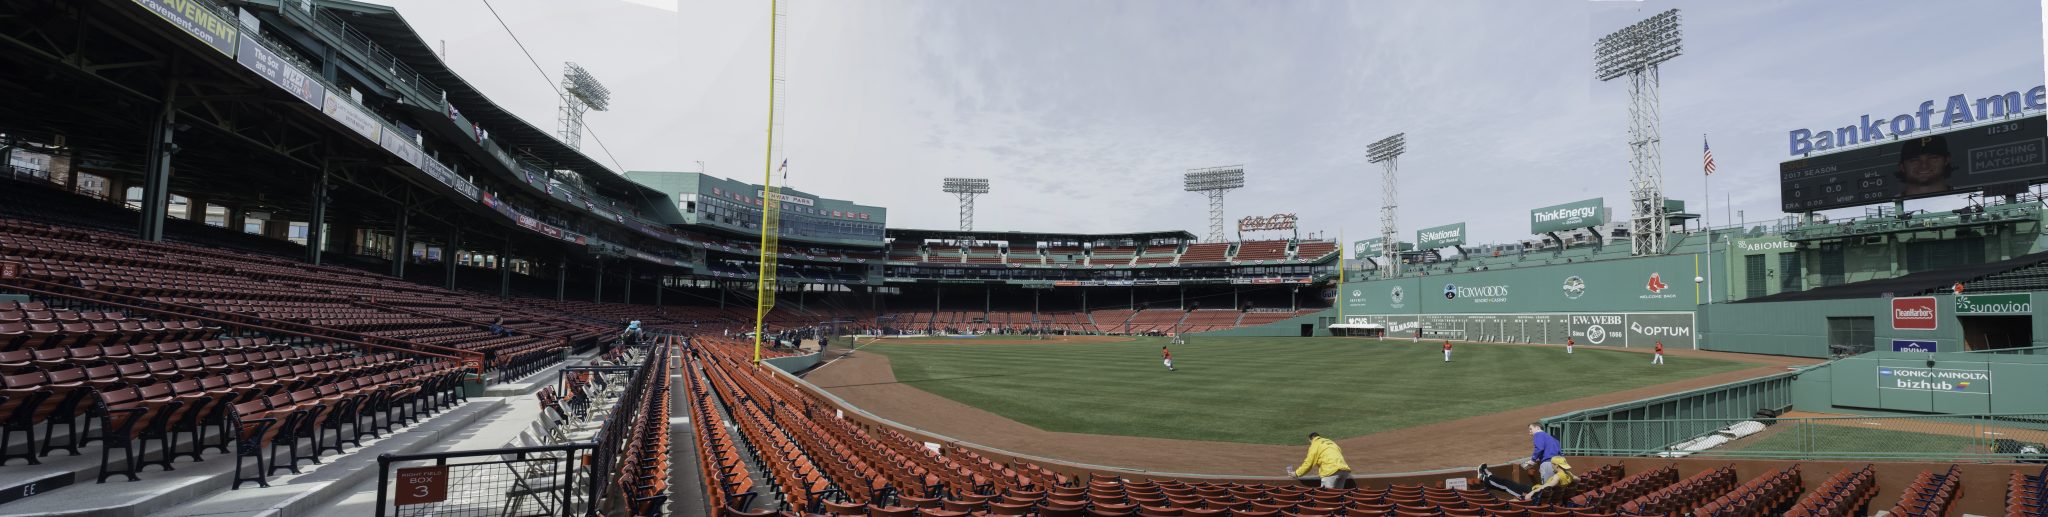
pixel 1630 302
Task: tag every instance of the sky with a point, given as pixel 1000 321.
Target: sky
pixel 1085 114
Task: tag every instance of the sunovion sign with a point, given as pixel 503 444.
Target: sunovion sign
pixel 1959 109
pixel 1568 216
pixel 2006 303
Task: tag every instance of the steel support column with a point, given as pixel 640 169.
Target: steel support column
pixel 316 227
pixel 156 173
pixel 449 252
pixel 401 237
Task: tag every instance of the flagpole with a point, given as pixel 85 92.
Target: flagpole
pixel 1706 214
pixel 1341 264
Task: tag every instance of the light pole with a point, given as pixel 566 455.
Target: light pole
pixel 966 189
pixel 1387 152
pixel 1634 53
pixel 1213 182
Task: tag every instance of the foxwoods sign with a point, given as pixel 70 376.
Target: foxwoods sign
pixel 1957 110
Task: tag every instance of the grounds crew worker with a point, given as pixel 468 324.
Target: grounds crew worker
pixel 1327 459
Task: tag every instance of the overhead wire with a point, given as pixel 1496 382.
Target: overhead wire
pixel 550 80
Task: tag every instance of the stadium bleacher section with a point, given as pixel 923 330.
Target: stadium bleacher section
pixel 776 461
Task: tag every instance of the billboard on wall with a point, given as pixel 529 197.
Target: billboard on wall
pixel 1993 304
pixel 1762 245
pixel 1440 237
pixel 1568 216
pixel 1648 284
pixel 1915 313
pixel 198 19
pixel 2014 152
pixel 1617 329
pixel 279 72
pixel 345 112
pixel 1367 248
pixel 1974 382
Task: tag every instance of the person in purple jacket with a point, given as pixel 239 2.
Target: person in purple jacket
pixel 1545 448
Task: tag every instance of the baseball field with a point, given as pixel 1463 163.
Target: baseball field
pixel 1265 390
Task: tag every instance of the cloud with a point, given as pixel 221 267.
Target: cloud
pixel 1084 114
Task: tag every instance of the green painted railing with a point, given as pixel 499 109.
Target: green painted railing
pixel 1680 416
pixel 1964 438
pixel 2030 350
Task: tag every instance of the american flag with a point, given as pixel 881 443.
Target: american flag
pixel 1709 150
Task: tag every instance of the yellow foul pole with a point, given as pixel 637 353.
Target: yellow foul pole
pixel 771 205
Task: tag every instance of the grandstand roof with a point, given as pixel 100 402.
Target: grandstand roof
pixel 388 29
pixel 914 234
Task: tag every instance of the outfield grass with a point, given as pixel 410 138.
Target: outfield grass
pixel 1845 438
pixel 1267 390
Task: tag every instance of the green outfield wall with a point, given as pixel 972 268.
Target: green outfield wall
pixel 1807 328
pixel 1627 302
pixel 1940 383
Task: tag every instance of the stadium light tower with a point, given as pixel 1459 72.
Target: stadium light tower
pixel 1634 53
pixel 966 189
pixel 1213 182
pixel 1387 153
pixel 580 93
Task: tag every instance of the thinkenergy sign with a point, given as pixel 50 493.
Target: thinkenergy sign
pixel 1568 216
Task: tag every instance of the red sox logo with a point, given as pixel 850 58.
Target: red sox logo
pixel 1656 284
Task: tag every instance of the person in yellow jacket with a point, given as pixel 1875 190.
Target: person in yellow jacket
pixel 1328 461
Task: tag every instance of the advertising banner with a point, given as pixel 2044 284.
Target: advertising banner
pixel 2003 303
pixel 197 17
pixel 1915 345
pixel 280 72
pixel 447 177
pixel 342 110
pixel 1600 329
pixel 1914 313
pixel 1974 382
pixel 1674 330
pixel 1568 216
pixel 1955 162
pixel 1440 237
pixel 1367 248
pixel 1764 245
pixel 402 147
pixel 1271 222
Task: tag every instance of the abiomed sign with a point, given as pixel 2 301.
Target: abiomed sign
pixel 2011 303
pixel 1934 379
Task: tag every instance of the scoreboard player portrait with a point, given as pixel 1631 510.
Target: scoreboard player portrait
pixel 1924 166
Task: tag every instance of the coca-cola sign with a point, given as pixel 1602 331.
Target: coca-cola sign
pixel 1271 222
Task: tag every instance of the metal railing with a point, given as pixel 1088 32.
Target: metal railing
pixel 355 40
pixel 1963 438
pixel 512 481
pixel 2028 350
pixel 1654 423
pixel 565 479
